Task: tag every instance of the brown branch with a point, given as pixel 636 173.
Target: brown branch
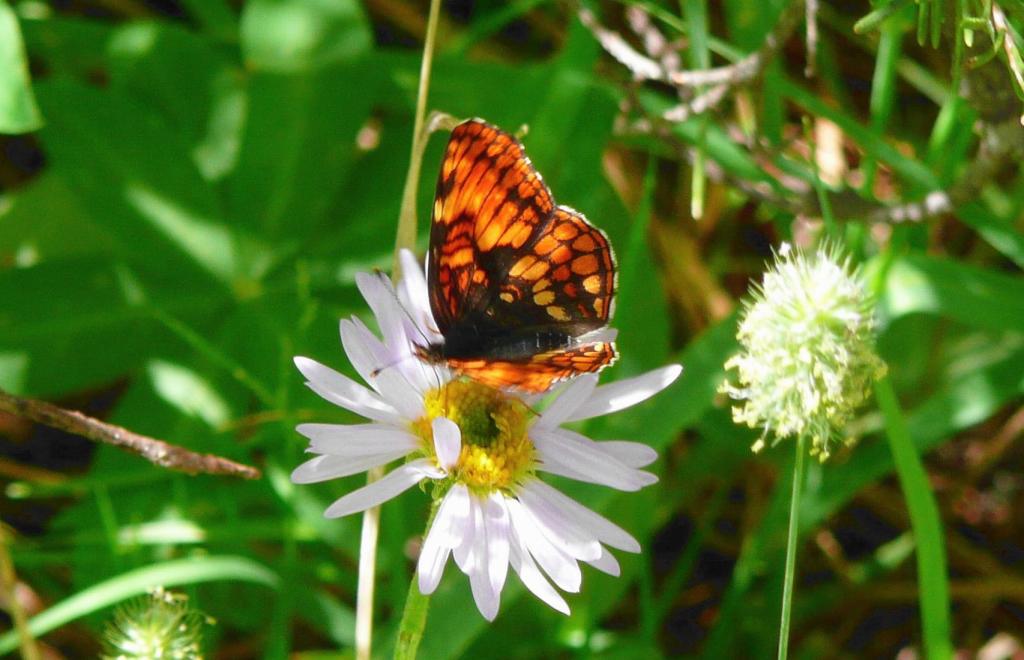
pixel 155 451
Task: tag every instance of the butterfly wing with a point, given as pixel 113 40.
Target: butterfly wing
pixel 537 373
pixel 512 274
pixel 490 202
pixel 566 279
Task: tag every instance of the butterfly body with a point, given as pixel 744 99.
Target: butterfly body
pixel 519 287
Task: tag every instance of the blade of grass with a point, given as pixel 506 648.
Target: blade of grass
pixel 932 576
pixel 883 88
pixel 696 14
pixel 191 570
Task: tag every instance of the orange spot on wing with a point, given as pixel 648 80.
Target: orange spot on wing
pixel 584 265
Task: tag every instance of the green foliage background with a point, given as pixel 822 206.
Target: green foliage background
pixel 213 182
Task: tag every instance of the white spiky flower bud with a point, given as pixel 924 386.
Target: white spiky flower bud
pixel 808 356
pixel 158 625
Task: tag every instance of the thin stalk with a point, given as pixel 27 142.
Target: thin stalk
pixel 414 616
pixel 794 523
pixel 696 14
pixel 405 237
pixel 8 581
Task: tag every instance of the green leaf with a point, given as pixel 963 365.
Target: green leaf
pixel 193 570
pixel 974 296
pixel 188 391
pixel 296 155
pixel 54 310
pixel 300 35
pixel 18 110
pixel 68 45
pixel 46 220
pixel 154 62
pixel 137 180
pixel 215 16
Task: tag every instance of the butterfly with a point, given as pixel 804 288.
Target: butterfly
pixel 521 289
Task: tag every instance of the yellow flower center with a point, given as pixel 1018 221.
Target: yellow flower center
pixel 496 451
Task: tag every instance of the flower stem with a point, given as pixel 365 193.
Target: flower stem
pixel 414 616
pixel 414 621
pixel 791 544
pixel 405 237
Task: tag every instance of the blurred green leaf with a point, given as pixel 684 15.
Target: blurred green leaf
pixel 68 45
pixel 18 110
pixel 154 62
pixel 300 35
pixel 296 154
pixel 192 570
pixel 188 392
pixel 46 220
pixel 136 179
pixel 216 16
pixel 974 296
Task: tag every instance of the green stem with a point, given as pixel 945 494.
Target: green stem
pixel 405 237
pixel 414 616
pixel 791 544
pixel 929 541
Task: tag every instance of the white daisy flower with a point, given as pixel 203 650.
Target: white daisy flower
pixel 482 448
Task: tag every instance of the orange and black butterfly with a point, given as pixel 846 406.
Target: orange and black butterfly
pixel 519 287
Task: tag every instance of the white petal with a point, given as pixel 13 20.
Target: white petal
pixel 412 291
pixel 357 439
pixel 464 551
pixel 345 392
pixel 447 441
pixel 475 565
pixel 605 530
pixel 323 468
pixel 377 366
pixel 395 317
pixel 368 354
pixel 534 580
pixel 497 523
pixel 391 485
pixel 445 533
pixel 562 447
pixel 625 393
pixel 633 454
pixel 562 568
pixel 562 471
pixel 566 403
pixel 606 563
pixel 383 300
pixel 557 527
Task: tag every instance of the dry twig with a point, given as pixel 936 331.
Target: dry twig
pixel 155 451
pixel 1001 143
